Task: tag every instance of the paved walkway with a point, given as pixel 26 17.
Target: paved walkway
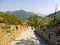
pixel 26 38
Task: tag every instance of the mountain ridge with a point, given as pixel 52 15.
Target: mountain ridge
pixel 21 13
pixel 52 14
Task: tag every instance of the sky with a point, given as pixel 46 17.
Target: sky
pixel 37 6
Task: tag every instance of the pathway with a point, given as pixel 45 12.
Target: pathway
pixel 26 38
pixel 29 37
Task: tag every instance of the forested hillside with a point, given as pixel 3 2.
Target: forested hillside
pixel 36 20
pixel 56 15
pixel 8 18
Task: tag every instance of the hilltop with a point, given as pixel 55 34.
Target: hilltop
pixel 21 13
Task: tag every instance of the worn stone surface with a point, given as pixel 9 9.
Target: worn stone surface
pixel 26 38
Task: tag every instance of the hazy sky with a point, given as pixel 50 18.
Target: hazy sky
pixel 37 6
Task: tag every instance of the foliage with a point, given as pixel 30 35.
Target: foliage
pixel 8 18
pixel 39 21
pixel 57 17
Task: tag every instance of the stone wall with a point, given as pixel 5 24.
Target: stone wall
pixel 8 33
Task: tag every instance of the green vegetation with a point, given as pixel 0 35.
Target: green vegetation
pixel 57 17
pixel 36 20
pixel 8 18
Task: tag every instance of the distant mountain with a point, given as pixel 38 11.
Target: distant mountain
pixel 20 13
pixel 56 15
pixel 8 18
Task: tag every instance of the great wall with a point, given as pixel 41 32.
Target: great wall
pixel 8 33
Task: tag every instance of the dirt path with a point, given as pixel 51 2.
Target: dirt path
pixel 26 38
